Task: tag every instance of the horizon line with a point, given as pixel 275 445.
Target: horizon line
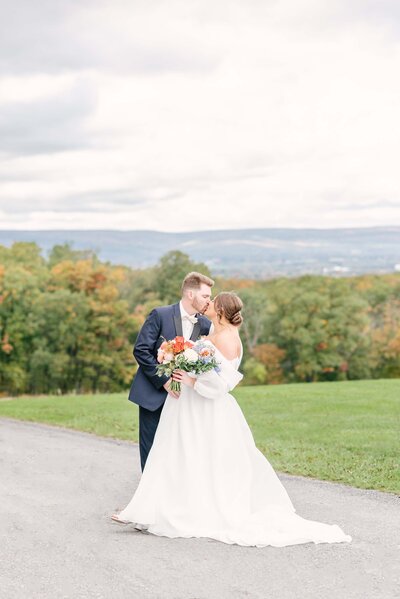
pixel 219 230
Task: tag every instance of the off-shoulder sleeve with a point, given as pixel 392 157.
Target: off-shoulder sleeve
pixel 212 384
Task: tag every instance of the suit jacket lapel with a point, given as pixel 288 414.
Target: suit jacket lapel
pixel 178 324
pixel 196 331
pixel 178 321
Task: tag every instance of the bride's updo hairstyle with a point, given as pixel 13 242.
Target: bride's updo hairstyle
pixel 228 304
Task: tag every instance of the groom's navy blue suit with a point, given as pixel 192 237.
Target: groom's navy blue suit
pixel 147 388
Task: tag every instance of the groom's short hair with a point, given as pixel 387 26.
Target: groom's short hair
pixel 193 280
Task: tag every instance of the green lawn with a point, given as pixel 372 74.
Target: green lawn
pixel 347 432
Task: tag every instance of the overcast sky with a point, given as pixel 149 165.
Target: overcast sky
pixel 184 115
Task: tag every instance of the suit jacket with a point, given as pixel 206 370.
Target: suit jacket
pixel 165 322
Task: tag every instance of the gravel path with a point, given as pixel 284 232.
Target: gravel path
pixel 59 487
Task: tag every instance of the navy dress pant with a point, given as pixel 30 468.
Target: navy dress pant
pixel 148 422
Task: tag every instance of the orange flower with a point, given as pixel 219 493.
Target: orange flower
pixel 179 345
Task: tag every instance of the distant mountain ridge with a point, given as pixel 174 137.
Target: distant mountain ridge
pixel 250 253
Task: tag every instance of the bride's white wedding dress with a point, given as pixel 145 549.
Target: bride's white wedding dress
pixel 204 476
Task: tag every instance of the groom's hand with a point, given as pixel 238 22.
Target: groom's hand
pixel 167 387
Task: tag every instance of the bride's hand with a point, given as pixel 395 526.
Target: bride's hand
pixel 182 377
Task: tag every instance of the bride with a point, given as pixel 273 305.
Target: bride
pixel 204 476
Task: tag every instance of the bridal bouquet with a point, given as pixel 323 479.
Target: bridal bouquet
pixel 193 357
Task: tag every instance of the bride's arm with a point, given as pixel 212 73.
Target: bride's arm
pixel 211 384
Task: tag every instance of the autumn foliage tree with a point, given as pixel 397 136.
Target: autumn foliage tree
pixel 63 325
pixel 384 326
pixel 271 357
pixel 320 324
pixel 68 322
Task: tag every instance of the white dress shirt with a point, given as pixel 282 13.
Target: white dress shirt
pixel 187 326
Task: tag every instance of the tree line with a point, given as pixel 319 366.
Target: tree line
pixel 68 321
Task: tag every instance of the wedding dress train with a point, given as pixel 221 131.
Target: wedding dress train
pixel 204 476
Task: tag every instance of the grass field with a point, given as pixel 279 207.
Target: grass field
pixel 347 432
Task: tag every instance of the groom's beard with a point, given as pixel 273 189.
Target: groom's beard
pixel 199 310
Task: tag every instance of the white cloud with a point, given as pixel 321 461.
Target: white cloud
pixel 181 116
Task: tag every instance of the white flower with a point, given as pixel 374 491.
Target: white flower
pixel 190 355
pixel 168 358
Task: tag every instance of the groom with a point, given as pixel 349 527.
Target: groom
pixel 185 319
